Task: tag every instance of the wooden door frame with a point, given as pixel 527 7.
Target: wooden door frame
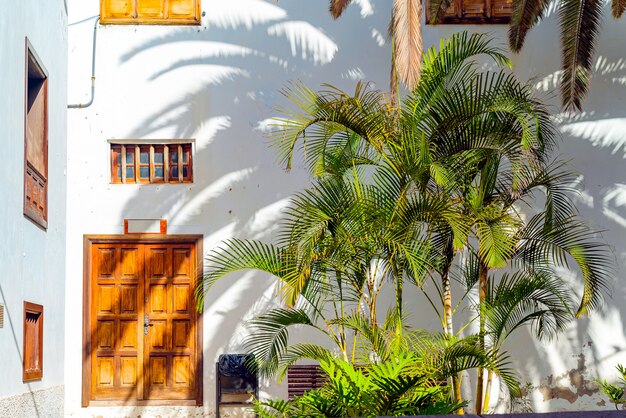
pixel 88 242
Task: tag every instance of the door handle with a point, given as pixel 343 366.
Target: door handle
pixel 146 324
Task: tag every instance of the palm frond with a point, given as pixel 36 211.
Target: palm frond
pixel 237 255
pixel 437 10
pixel 565 241
pixel 534 298
pixel 407 30
pixel 618 7
pixel 268 339
pixel 326 119
pixel 301 351
pixel 580 23
pixel 337 7
pixel 526 14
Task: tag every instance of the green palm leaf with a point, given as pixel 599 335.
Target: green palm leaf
pixel 580 23
pixel 526 14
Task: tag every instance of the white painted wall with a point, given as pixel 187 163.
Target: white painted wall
pixel 216 83
pixel 32 261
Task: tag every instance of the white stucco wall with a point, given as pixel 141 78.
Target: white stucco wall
pixel 217 82
pixel 32 261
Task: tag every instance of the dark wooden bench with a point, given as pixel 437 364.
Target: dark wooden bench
pixel 302 378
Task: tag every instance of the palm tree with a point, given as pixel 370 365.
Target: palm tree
pixel 398 194
pixel 529 249
pixel 453 116
pixel 580 22
pixel 480 139
pixel 405 30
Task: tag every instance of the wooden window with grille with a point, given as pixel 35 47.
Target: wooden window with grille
pixel 150 12
pixel 35 139
pixel 33 342
pixel 475 12
pixel 151 163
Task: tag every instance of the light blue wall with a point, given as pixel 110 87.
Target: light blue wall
pixel 32 261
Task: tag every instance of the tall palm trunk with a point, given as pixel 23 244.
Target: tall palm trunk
pixel 482 295
pixel 488 391
pixel 447 315
pixel 393 74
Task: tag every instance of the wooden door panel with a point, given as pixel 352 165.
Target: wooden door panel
pixel 158 298
pixel 128 371
pixel 181 371
pixel 106 335
pixel 105 372
pixel 128 335
pixel 117 288
pixel 129 281
pixel 170 346
pixel 181 298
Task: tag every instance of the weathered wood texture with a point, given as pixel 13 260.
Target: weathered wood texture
pixel 302 378
pixel 35 139
pixel 476 11
pixel 143 329
pixel 150 12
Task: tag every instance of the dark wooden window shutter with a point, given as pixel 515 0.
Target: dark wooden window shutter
pixel 476 12
pixel 35 140
pixel 33 342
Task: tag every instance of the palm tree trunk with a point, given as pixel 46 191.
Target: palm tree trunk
pixel 399 303
pixel 447 317
pixel 393 74
pixel 456 389
pixel 342 329
pixel 482 295
pixel 488 391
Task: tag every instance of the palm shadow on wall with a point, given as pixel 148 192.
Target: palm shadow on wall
pixel 594 143
pixel 246 53
pixel 243 74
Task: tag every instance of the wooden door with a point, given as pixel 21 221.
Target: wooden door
pixel 169 343
pixel 143 322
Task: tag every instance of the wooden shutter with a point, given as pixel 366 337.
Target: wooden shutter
pixel 150 12
pixel 35 140
pixel 183 9
pixel 150 9
pixel 33 342
pixel 477 11
pixel 116 9
pixel 501 8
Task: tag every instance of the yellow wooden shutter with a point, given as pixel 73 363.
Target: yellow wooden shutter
pixel 150 9
pixel 111 10
pixel 184 9
pixel 150 12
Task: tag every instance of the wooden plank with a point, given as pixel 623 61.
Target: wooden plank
pixel 180 163
pixel 303 378
pixel 137 176
pixel 166 163
pixel 123 163
pixel 151 163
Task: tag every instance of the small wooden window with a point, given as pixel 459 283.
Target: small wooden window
pixel 35 140
pixel 475 12
pixel 150 12
pixel 155 163
pixel 33 342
